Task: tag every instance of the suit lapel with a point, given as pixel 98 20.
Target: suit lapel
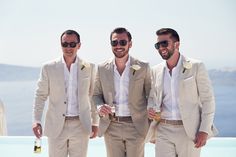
pixel 109 73
pixel 60 75
pixel 160 83
pixel 131 78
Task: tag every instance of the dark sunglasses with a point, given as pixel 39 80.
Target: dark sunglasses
pixel 71 44
pixel 121 42
pixel 163 43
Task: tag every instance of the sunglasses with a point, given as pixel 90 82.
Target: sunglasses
pixel 163 43
pixel 71 44
pixel 121 42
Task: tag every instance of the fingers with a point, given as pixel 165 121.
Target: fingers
pixel 151 113
pixel 104 110
pixel 201 139
pixel 94 132
pixel 37 129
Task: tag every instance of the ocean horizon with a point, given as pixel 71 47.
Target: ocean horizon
pixel 18 97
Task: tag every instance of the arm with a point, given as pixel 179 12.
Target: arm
pixel 41 95
pixel 207 99
pixel 102 108
pixel 208 105
pixel 147 81
pixel 94 114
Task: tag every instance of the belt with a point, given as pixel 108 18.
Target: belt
pixel 121 119
pixel 72 118
pixel 172 122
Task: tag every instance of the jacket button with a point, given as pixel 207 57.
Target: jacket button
pixel 63 115
pixel 64 102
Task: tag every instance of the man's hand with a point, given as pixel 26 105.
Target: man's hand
pixel 104 110
pixel 37 129
pixel 94 132
pixel 201 139
pixel 151 113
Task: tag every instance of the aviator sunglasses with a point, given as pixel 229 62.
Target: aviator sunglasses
pixel 121 42
pixel 71 44
pixel 163 43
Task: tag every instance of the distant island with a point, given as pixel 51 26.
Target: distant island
pixel 224 76
pixel 18 73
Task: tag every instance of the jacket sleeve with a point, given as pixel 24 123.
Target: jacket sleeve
pixel 206 97
pixel 98 93
pixel 41 95
pixel 94 113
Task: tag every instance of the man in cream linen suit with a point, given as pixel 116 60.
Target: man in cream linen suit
pixel 125 83
pixel 182 91
pixel 68 82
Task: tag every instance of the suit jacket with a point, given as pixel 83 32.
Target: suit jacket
pixel 196 99
pixel 139 88
pixel 51 84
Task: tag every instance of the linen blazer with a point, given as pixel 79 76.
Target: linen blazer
pixel 139 88
pixel 51 85
pixel 196 99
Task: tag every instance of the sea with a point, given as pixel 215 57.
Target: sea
pixel 18 97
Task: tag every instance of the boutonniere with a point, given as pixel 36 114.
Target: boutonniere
pixel 187 65
pixel 135 67
pixel 85 65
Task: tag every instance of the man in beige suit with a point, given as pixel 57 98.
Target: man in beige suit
pixel 70 117
pixel 182 91
pixel 121 90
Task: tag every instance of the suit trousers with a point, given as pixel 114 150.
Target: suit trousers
pixel 173 141
pixel 123 140
pixel 72 141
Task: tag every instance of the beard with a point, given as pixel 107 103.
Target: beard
pixel 120 52
pixel 167 56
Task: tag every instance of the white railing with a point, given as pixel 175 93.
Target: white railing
pixel 22 146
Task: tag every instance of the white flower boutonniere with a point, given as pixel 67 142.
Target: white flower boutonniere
pixel 85 65
pixel 187 65
pixel 135 67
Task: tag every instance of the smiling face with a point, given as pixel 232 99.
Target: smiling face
pixel 166 46
pixel 70 45
pixel 122 46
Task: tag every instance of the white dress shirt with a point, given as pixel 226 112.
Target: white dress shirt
pixel 71 88
pixel 170 109
pixel 121 84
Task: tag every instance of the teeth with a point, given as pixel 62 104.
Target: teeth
pixel 119 50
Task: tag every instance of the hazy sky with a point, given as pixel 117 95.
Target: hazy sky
pixel 30 30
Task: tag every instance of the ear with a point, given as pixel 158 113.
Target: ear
pixel 130 44
pixel 78 45
pixel 177 43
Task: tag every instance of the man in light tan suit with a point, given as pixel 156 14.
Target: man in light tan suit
pixel 182 91
pixel 121 91
pixel 70 118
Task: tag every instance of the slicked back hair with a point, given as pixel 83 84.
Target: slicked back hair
pixel 166 31
pixel 70 32
pixel 121 30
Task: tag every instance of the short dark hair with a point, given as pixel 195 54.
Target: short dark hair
pixel 121 30
pixel 165 31
pixel 70 32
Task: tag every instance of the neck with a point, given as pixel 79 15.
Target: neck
pixel 120 63
pixel 173 61
pixel 69 61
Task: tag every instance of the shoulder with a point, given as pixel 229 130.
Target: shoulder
pixel 105 63
pixel 139 62
pixel 51 63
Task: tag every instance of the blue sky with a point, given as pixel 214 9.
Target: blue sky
pixel 30 30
